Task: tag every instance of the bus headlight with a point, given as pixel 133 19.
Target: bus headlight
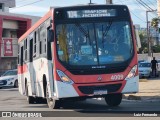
pixel 132 73
pixel 64 77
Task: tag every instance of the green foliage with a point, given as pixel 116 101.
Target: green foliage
pixel 156 49
pixel 154 23
pixel 144 45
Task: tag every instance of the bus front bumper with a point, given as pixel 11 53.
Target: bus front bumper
pixel 64 90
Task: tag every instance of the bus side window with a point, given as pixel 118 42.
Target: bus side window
pixel 49 38
pixel 25 50
pixel 21 58
pixel 40 47
pixel 34 45
pixel 31 50
pixel 50 35
pixel 36 36
pixel 18 59
pixel 40 42
pixel 43 41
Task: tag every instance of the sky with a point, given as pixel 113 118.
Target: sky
pixel 41 7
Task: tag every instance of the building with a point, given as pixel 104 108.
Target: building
pixel 154 36
pixel 138 41
pixel 12 26
pixel 6 4
pixel 153 33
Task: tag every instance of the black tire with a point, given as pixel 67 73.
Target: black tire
pixel 40 100
pixel 113 99
pixel 16 84
pixel 150 75
pixel 30 99
pixel 52 103
pixel 0 87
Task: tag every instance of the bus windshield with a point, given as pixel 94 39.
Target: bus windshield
pixel 94 43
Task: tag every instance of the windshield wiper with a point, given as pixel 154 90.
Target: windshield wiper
pixel 86 33
pixel 104 33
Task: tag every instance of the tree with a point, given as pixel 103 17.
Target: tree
pixel 154 23
pixel 156 49
pixel 144 44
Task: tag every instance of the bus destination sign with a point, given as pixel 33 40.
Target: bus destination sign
pixel 91 13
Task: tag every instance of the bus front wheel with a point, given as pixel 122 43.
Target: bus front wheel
pixel 52 103
pixel 113 99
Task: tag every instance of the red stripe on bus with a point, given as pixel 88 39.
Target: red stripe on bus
pixel 22 69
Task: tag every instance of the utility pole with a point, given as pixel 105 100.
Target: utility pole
pixel 109 2
pixel 148 34
pixel 90 2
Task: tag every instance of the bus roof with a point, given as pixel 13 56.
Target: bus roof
pixel 88 5
pixel 36 25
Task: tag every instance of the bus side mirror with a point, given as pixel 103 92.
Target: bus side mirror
pixel 50 35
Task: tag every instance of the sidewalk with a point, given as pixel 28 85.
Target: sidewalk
pixel 149 89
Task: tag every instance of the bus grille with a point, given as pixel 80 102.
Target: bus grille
pixel 91 89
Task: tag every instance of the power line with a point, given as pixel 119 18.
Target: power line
pixel 27 4
pixel 146 6
pixel 134 14
pixel 21 1
pixel 138 17
pixel 141 7
pixel 151 3
pixel 155 0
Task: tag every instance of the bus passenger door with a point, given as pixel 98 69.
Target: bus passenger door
pixel 50 60
pixel 21 73
pixel 31 68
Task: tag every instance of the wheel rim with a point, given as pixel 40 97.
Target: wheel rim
pixel 50 102
pixel 47 96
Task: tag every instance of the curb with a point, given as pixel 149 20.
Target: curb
pixel 143 80
pixel 132 97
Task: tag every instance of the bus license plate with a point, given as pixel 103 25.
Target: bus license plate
pixel 100 92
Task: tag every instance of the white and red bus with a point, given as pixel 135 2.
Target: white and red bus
pixel 79 52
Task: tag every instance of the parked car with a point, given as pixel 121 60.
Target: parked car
pixel 158 64
pixel 139 61
pixel 9 78
pixel 145 69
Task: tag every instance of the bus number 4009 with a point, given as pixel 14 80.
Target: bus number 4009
pixel 117 77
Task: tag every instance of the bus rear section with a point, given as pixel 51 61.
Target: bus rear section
pixel 93 55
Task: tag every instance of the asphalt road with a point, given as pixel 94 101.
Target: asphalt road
pixel 11 100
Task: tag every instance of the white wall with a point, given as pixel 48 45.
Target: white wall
pixel 10 24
